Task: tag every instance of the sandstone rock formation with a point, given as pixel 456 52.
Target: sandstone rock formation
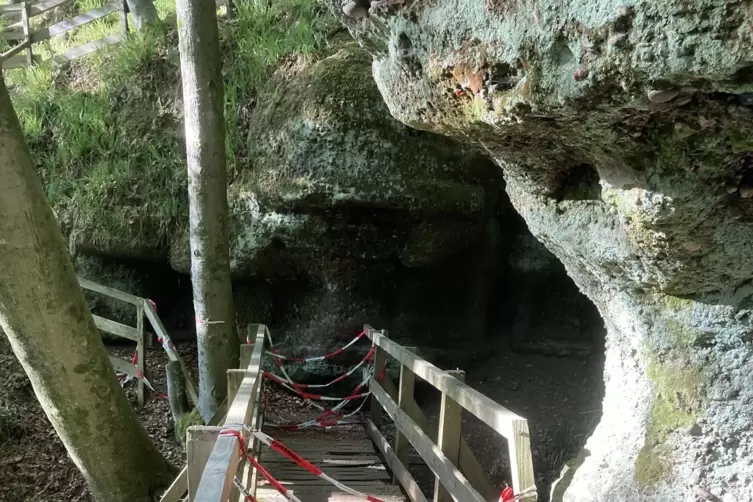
pixel 624 134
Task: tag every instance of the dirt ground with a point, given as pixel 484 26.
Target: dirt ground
pixel 560 397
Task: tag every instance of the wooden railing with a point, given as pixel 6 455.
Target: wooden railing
pixel 21 31
pixel 214 460
pixel 459 475
pixel 143 307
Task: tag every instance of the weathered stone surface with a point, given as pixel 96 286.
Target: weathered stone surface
pixel 624 135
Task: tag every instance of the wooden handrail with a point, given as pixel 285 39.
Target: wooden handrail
pixel 108 291
pixel 453 480
pixel 455 394
pixel 485 409
pixel 217 478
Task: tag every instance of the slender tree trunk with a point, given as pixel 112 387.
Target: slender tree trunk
pixel 144 14
pixel 44 315
pixel 201 71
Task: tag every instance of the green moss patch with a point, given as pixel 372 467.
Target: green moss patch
pixel 678 400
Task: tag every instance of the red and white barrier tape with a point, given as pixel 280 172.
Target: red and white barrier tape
pixel 321 421
pixel 125 378
pixel 286 452
pixel 315 397
pixel 246 494
pixel 508 495
pixel 367 358
pixel 273 352
pixel 235 430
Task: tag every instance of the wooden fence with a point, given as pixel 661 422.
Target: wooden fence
pixel 21 31
pixel 458 474
pixel 143 307
pixel 213 461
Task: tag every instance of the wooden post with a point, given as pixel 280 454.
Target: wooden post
pixel 234 379
pixel 140 353
pixel 230 4
pixel 521 460
pixel 176 390
pixel 246 351
pixel 380 362
pixel 448 436
pixel 199 444
pixel 27 33
pixel 405 394
pixel 124 18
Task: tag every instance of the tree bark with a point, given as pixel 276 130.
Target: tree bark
pixel 144 14
pixel 207 192
pixel 51 331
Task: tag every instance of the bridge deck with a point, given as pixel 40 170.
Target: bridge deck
pixel 349 458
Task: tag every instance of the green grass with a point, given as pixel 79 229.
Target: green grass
pixel 106 133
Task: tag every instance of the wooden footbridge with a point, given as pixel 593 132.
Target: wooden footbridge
pixel 233 458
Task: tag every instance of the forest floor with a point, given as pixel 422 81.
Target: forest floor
pixel 560 396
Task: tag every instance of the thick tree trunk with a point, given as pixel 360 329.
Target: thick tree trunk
pixel 44 314
pixel 201 71
pixel 144 14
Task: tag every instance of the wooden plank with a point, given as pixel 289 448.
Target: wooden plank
pixel 448 436
pixel 200 442
pixel 167 344
pixel 179 487
pixel 108 291
pixel 115 328
pixel 75 22
pixel 246 351
pixel 331 494
pixel 18 62
pixel 15 50
pixel 398 467
pixel 485 409
pixel 521 460
pixel 11 34
pixel 124 17
pixel 42 7
pixel 27 33
pixel 405 393
pixel 452 479
pixel 11 8
pixel 122 366
pixel 468 462
pixel 86 49
pixel 380 361
pixel 217 482
pixel 141 352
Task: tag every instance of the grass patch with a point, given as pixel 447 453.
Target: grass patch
pixel 106 133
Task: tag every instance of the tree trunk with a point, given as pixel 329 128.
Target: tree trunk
pixel 44 315
pixel 207 192
pixel 144 14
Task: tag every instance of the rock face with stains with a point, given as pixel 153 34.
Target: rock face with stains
pixel 624 134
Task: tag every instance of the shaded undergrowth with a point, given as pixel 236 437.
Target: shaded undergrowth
pixel 106 133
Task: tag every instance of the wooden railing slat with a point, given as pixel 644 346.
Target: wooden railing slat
pixel 452 479
pixel 217 480
pixel 115 328
pixel 108 291
pixel 448 437
pixel 469 465
pixel 172 354
pixel 397 466
pixel 75 22
pixel 42 7
pixel 485 409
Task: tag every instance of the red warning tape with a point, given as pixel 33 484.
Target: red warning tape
pixel 302 462
pixel 273 352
